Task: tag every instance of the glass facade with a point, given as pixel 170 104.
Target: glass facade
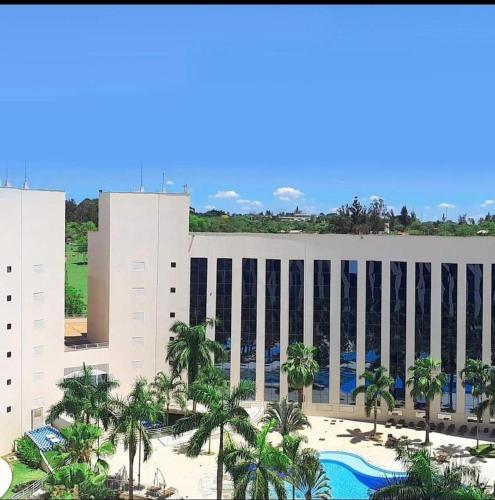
pixel 296 307
pixel 348 330
pixel 249 301
pixel 474 321
pixel 449 335
pixel 422 314
pixel 223 311
pixel 321 329
pixel 272 330
pixel 197 298
pixel 398 307
pixel 373 335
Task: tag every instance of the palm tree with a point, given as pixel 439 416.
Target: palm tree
pixel 375 388
pixel 310 478
pixel 288 416
pixel 223 410
pixel 426 382
pixel 256 465
pixel 301 367
pixel 167 388
pixel 291 446
pixel 79 446
pixel 191 349
pixel 129 415
pixel 477 375
pixel 427 480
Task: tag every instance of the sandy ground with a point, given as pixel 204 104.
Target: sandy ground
pixel 195 477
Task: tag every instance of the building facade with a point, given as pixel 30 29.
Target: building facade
pixel 361 300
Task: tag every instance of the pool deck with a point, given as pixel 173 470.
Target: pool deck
pixel 195 477
pixel 5 476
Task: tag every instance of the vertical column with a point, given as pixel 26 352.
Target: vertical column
pixel 410 319
pixel 260 331
pixel 284 323
pixel 361 325
pixel 487 314
pixel 236 322
pixel 211 293
pixel 436 323
pixel 461 338
pixel 308 316
pixel 385 345
pixel 335 285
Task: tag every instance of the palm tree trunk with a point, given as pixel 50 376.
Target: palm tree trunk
pixel 139 461
pixel 427 422
pixel 166 415
pixel 374 419
pixel 132 452
pixel 220 465
pixel 300 397
pixel 477 432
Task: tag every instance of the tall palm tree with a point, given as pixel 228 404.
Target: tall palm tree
pixel 167 389
pixel 477 375
pixel 255 466
pixel 223 410
pixel 426 480
pixel 301 367
pixel 426 382
pixel 288 416
pixel 310 478
pixel 375 388
pixel 192 350
pixel 291 446
pixel 129 415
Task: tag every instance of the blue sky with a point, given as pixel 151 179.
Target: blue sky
pixel 329 101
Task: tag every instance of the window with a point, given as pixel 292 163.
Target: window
pixel 38 268
pixel 137 266
pixel 9 381
pixel 9 409
pixel 272 330
pixel 197 300
pixel 9 269
pixel 172 315
pixel 38 350
pixel 9 298
pixel 9 326
pixel 39 296
pixel 9 354
pixel 137 341
pixel 137 364
pixel 249 301
pixel 38 324
pixel 37 376
pixel 138 316
pixel 171 338
pixel 223 311
pixel 138 291
pixel 172 290
pixel 173 264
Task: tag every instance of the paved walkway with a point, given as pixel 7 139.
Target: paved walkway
pixel 5 476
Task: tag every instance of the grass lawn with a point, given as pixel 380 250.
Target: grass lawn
pixel 51 456
pixel 76 269
pixel 22 473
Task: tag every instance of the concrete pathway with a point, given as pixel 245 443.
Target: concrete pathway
pixel 5 476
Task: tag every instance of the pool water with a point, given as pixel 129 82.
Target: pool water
pixel 344 483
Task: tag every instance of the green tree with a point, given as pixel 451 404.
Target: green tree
pixel 129 415
pixel 223 409
pixel 426 480
pixel 426 382
pixel 291 446
pixel 375 388
pixel 310 478
pixel 191 349
pixel 167 389
pixel 288 416
pixel 74 301
pixel 256 465
pixel 477 375
pixel 301 367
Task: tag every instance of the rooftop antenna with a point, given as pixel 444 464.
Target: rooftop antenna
pixel 7 183
pixel 186 189
pixel 141 187
pixel 163 183
pixel 25 184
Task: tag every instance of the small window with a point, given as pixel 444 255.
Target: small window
pixel 39 324
pixel 138 266
pixel 138 291
pixel 137 364
pixel 39 296
pixel 38 268
pixel 9 354
pixel 9 409
pixel 172 315
pixel 137 341
pixel 9 381
pixel 9 269
pixel 38 350
pixel 9 298
pixel 37 376
pixel 138 316
pixel 172 290
pixel 173 264
pixel 171 338
pixel 9 326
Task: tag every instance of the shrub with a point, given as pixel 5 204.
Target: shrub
pixel 28 453
pixel 21 486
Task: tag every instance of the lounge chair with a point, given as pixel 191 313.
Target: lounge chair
pixel 450 429
pixel 442 457
pixel 492 434
pixel 411 425
pixel 440 427
pixel 462 430
pixel 400 424
pixel 433 427
pixel 168 492
pixel 420 426
pixel 388 425
pixel 472 432
pixel 486 430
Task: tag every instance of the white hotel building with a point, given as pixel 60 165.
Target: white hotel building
pixel 362 300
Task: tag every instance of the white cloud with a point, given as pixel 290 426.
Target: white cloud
pixel 287 193
pixel 446 205
pixel 375 197
pixel 210 207
pixel 391 207
pixel 254 203
pixel 224 195
pixel 333 210
pixel 169 183
pixel 487 203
